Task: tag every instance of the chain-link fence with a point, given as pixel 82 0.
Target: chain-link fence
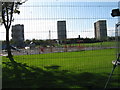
pixel 82 48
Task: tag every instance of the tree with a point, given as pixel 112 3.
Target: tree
pixel 8 8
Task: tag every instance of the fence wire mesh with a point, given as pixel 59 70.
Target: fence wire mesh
pixel 87 47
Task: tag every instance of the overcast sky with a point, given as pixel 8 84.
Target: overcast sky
pixel 39 17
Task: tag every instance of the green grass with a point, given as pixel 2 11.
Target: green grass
pixel 99 44
pixel 84 61
pixel 68 69
pixel 103 44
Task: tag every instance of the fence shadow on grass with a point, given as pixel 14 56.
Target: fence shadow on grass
pixel 33 77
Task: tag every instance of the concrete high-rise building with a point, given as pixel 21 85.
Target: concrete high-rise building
pixel 100 30
pixel 61 30
pixel 18 35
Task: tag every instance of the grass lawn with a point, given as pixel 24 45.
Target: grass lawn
pixel 98 44
pixel 103 44
pixel 92 61
pixel 69 69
